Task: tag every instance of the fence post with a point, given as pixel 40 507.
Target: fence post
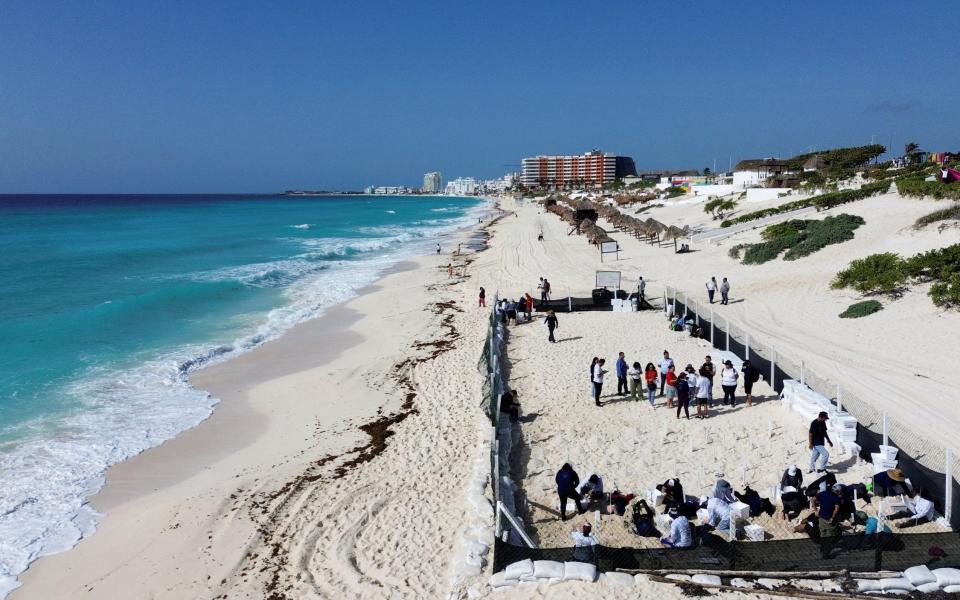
pixel 773 369
pixel 746 353
pixel 696 313
pixel 569 304
pixel 802 379
pixel 839 399
pixel 727 323
pixel 664 301
pixel 886 439
pixel 713 341
pixel 948 488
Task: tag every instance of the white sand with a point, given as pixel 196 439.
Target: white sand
pixel 247 504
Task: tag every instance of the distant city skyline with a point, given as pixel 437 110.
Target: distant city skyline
pixel 116 97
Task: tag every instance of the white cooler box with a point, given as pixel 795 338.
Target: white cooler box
pixel 880 463
pixel 739 511
pixel 843 420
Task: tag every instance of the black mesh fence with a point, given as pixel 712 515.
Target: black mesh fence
pixel 853 551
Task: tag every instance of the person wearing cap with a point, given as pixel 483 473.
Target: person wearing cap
pixel 919 510
pixel 680 536
pixel 692 379
pixel 592 489
pixel 791 496
pixel 815 439
pixel 584 543
pixel 827 504
pixel 710 371
pixel 889 483
pixel 728 381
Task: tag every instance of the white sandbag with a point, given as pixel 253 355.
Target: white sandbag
pixel 740 582
pixel 655 497
pixel 868 585
pixel 677 577
pixel 499 580
pixel 893 584
pixel 663 522
pixel 739 510
pixel 947 576
pixel 927 588
pixel 708 579
pixel 617 579
pixel 771 584
pixel 754 533
pixel 579 571
pixel 703 515
pixel 547 569
pixel 920 575
pixel 952 589
pixel 519 569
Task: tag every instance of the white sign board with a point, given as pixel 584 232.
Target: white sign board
pixel 608 279
pixel 607 247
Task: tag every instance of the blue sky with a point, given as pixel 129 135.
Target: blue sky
pixel 241 96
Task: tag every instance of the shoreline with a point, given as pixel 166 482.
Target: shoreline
pixel 240 422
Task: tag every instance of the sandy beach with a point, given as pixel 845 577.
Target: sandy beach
pixel 338 462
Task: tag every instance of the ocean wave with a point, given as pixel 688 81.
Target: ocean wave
pixel 302 226
pixel 58 463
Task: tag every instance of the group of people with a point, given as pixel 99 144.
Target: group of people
pixel 723 287
pixel 679 387
pixel 509 310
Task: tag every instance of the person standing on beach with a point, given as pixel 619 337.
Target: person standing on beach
pixel 815 439
pixel 593 363
pixel 552 324
pixel 438 248
pixel 636 380
pixel 621 375
pixel 751 375
pixel 598 373
pixel 567 481
pixel 650 376
pixel 665 365
pixel 725 292
pixel 546 289
pixel 641 291
pixel 683 394
pixel 704 385
pixel 711 288
pixel 708 370
pixel 529 305
pixel 728 381
pixel 482 300
pixel 449 270
pixel 671 385
pixel 543 290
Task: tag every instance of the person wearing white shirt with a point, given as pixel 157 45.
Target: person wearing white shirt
pixel 665 365
pixel 919 510
pixel 641 290
pixel 728 381
pixel 680 536
pixel 711 288
pixel 598 373
pixel 635 375
pixel 583 542
pixel 704 385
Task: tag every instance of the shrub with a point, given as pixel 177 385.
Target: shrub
pixel 766 251
pixel 821 202
pixel 791 227
pixel 820 234
pixel 946 294
pixel 938 264
pixel 876 274
pixel 861 309
pixel 944 214
pixel 675 190
pixel 918 187
pixel 734 252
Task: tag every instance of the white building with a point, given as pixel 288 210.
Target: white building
pixel 432 183
pixel 749 173
pixel 462 186
pixel 387 190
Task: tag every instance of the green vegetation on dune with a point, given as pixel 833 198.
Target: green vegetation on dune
pixel 821 202
pixel 800 238
pixel 919 187
pixel 839 162
pixel 944 214
pixel 888 273
pixel 861 309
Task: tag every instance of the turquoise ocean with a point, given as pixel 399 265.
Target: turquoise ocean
pixel 109 302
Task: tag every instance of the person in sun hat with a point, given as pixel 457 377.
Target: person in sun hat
pixel 815 439
pixel 889 483
pixel 728 381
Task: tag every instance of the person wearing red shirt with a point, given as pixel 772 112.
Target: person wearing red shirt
pixel 671 387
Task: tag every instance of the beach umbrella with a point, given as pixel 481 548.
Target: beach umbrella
pixel 672 233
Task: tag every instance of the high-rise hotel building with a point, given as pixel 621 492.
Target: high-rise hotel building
pixel 432 182
pixel 591 169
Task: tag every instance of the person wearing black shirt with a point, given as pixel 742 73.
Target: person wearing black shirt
pixel 828 510
pixel 552 323
pixel 509 406
pixel 750 376
pixel 815 439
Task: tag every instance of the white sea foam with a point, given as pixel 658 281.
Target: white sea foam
pixel 302 226
pixel 56 466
